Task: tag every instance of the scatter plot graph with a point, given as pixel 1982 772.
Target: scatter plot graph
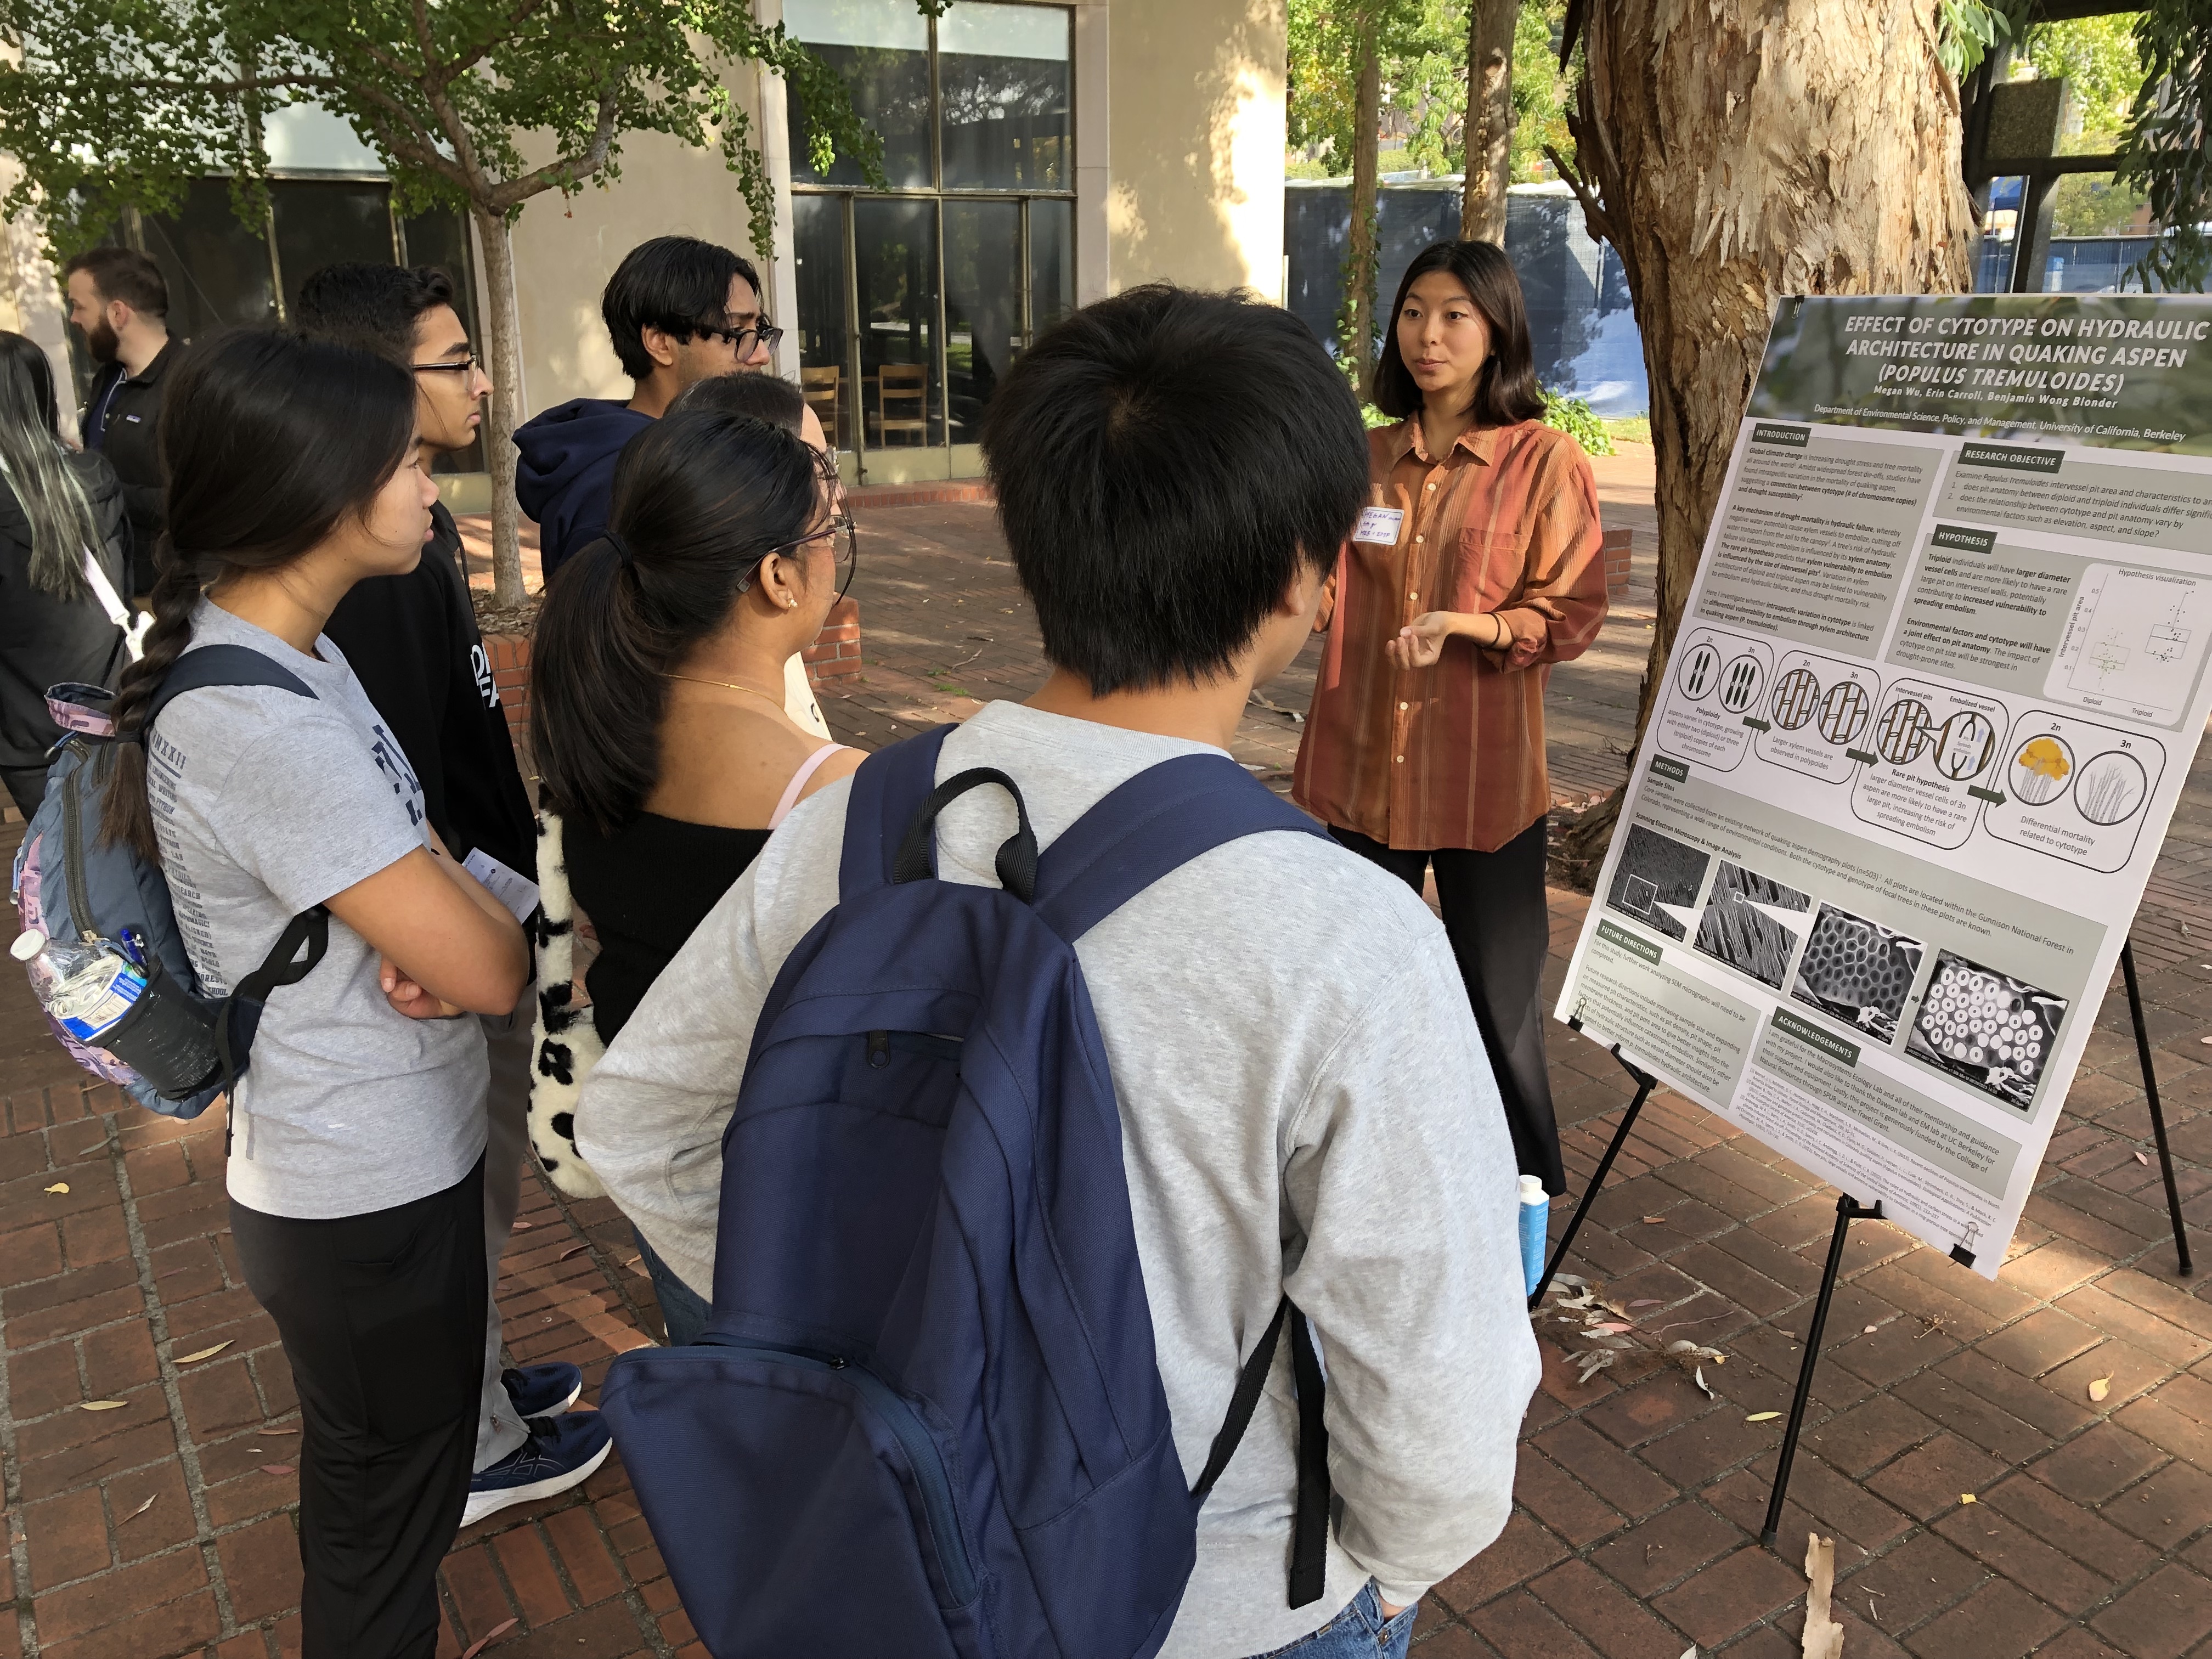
pixel 1994 1031
pixel 1963 748
pixel 1844 712
pixel 2133 637
pixel 1796 695
pixel 2040 770
pixel 1700 669
pixel 2111 788
pixel 1902 732
pixel 1857 971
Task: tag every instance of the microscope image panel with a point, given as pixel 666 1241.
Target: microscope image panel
pixel 1989 1030
pixel 1857 971
pixel 1658 880
pixel 1752 923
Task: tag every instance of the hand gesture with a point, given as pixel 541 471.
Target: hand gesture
pixel 1420 642
pixel 410 998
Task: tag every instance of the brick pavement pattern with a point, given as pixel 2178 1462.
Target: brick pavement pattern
pixel 162 1526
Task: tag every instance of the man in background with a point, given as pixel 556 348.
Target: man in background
pixel 412 642
pixel 678 311
pixel 118 298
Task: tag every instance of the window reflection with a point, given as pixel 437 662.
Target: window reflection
pixel 217 270
pixel 880 50
pixel 894 250
pixel 818 247
pixel 1052 263
pixel 321 224
pixel 983 308
pixel 1003 81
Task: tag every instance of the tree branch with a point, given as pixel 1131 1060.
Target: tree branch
pixel 1601 228
pixel 518 191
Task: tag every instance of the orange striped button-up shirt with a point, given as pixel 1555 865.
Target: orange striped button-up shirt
pixel 1452 755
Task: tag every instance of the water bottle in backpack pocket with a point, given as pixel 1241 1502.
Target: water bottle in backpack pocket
pixel 171 1046
pixel 927 1421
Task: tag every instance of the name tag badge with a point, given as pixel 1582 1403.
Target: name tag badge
pixel 1379 525
pixel 510 887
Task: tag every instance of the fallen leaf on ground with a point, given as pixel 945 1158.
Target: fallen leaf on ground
pixel 1655 1220
pixel 1762 1416
pixel 1869 1330
pixel 1824 1637
pixel 490 1636
pixel 62 1186
pixel 2143 1160
pixel 1646 1302
pixel 278 1430
pixel 1700 1377
pixel 1968 1497
pixel 524 1226
pixel 571 1250
pixel 276 1468
pixel 101 1406
pixel 2100 1388
pixel 1612 1328
pixel 140 1510
pixel 204 1354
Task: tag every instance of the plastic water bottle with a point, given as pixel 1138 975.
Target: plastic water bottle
pixel 86 989
pixel 1535 1222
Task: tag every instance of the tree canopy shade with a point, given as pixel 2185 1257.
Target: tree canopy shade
pixel 122 103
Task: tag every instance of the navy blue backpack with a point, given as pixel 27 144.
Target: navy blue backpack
pixel 927 1421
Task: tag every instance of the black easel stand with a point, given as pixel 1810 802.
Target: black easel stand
pixel 1848 1210
pixel 1645 1083
pixel 2157 1115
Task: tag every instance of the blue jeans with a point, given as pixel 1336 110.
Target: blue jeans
pixel 1359 1631
pixel 682 1309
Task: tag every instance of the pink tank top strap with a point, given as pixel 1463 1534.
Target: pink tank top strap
pixel 807 768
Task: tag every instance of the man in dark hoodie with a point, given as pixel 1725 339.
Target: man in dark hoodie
pixel 679 310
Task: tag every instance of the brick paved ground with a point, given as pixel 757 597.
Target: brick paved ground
pixel 1633 1535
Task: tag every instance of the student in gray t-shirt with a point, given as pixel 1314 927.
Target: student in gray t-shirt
pixel 356 1167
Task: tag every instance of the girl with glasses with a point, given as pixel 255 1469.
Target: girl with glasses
pixel 660 730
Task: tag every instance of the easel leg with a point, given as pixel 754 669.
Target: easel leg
pixel 2157 1114
pixel 1848 1210
pixel 1644 1084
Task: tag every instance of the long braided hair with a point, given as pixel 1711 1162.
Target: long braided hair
pixel 270 442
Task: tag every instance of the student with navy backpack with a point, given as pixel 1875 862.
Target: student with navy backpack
pixel 273 793
pixel 1092 1168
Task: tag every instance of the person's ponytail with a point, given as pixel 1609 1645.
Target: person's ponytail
pixel 699 498
pixel 269 442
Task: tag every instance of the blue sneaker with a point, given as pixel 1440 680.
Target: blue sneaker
pixel 545 1390
pixel 560 1452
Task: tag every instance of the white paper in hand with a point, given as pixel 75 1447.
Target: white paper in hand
pixel 1379 525
pixel 510 887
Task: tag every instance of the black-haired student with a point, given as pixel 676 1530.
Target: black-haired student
pixel 678 310
pixel 1306 1104
pixel 415 648
pixel 356 1171
pixel 1476 567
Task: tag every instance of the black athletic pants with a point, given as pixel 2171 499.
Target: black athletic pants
pixel 27 787
pixel 382 1316
pixel 1500 928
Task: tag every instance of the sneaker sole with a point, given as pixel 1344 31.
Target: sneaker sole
pixel 482 1505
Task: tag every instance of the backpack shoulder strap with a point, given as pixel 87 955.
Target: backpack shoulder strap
pixel 222 665
pixel 1309 1523
pixel 888 791
pixel 1157 822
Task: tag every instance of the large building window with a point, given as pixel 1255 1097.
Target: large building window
pixel 222 273
pixel 913 301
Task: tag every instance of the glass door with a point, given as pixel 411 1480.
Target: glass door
pixel 825 366
pixel 901 398
pixel 983 308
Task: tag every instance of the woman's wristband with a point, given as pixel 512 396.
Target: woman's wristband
pixel 1503 636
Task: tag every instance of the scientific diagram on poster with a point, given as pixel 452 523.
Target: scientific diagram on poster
pixel 1931 704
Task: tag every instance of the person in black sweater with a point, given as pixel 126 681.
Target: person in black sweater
pixel 412 642
pixel 120 301
pixel 55 505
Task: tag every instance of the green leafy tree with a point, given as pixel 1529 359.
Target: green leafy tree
pixel 474 105
pixel 2169 131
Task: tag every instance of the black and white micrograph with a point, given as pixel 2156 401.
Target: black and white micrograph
pixel 1751 923
pixel 1999 1033
pixel 1656 881
pixel 1857 971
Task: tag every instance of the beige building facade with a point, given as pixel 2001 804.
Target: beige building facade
pixel 1040 156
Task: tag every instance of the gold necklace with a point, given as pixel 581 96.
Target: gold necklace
pixel 728 685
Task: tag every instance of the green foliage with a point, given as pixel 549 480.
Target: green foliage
pixel 2165 155
pixel 1964 32
pixel 2097 59
pixel 1423 46
pixel 1628 429
pixel 111 103
pixel 1572 416
pixel 1372 417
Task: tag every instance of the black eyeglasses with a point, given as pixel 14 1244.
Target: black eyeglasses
pixel 468 365
pixel 741 339
pixel 847 549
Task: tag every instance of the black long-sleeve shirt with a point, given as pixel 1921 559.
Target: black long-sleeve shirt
pixel 119 420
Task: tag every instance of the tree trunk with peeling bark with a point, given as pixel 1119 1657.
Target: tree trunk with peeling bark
pixel 1359 269
pixel 503 347
pixel 1736 151
pixel 1489 127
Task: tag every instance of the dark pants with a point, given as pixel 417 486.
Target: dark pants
pixel 682 1309
pixel 1500 928
pixel 382 1317
pixel 27 787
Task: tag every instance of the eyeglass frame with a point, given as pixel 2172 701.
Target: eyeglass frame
pixel 767 332
pixel 840 523
pixel 468 365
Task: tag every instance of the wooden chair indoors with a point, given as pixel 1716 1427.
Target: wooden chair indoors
pixel 905 386
pixel 823 388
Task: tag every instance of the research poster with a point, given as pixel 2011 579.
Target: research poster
pixel 1935 695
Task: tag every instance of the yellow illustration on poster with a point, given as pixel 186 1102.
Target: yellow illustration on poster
pixel 1935 695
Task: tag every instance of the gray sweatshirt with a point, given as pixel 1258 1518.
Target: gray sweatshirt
pixel 1306 1108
